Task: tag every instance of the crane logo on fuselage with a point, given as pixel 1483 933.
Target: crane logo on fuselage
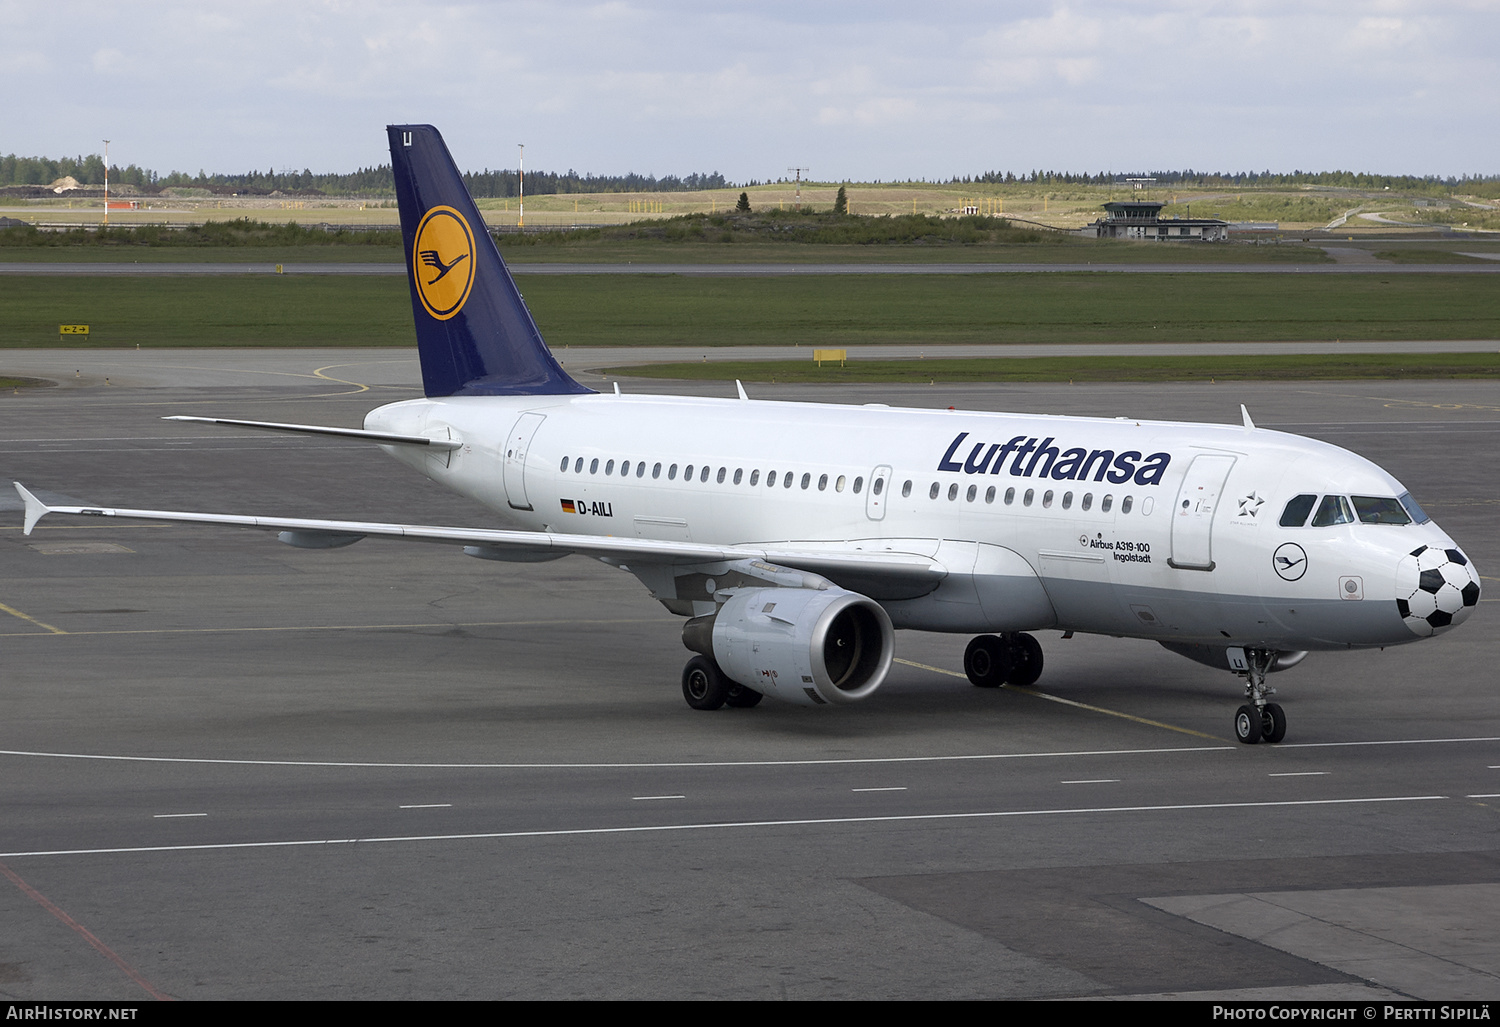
pixel 442 262
pixel 1289 561
pixel 1029 456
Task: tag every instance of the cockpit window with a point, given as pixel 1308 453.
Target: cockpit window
pixel 1333 510
pixel 1410 505
pixel 1379 510
pixel 1295 514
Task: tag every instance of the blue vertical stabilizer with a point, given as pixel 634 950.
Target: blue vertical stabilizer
pixel 474 333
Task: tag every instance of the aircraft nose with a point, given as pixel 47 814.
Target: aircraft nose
pixel 1436 589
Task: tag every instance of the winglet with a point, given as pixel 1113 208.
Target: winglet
pixel 740 388
pixel 1245 413
pixel 35 508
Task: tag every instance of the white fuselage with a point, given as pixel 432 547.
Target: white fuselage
pixel 1147 529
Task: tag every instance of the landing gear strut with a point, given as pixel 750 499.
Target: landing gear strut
pixel 1259 720
pixel 994 660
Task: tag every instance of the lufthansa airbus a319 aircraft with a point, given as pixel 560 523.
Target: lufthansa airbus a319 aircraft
pixel 795 537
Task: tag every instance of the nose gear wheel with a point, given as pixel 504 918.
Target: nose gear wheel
pixel 1259 720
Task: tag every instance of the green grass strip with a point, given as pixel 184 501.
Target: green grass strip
pixel 834 311
pixel 1429 257
pixel 1271 367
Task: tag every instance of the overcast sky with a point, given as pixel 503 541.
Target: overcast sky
pixel 852 90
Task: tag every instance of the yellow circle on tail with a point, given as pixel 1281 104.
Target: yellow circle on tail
pixel 442 261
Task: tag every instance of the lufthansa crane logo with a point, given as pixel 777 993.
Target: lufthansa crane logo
pixel 442 262
pixel 1289 561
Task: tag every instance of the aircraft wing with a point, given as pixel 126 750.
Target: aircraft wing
pixel 906 568
pixel 380 437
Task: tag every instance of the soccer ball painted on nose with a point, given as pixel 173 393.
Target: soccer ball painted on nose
pixel 1435 589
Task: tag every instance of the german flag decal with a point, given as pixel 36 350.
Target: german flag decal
pixel 568 507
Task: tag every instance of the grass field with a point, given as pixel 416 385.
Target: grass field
pixel 1270 367
pixel 249 310
pixel 1430 256
pixel 1058 203
pixel 1052 250
pixel 842 311
pixel 589 248
pixel 764 236
pixel 837 311
pixel 201 255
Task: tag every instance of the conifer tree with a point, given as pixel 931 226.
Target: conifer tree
pixel 744 205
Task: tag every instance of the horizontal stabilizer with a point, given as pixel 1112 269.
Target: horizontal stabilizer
pixel 359 434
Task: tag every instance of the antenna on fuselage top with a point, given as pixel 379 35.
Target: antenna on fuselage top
pixel 1245 413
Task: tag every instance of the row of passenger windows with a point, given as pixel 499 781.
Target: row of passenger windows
pixel 638 469
pixel 1086 502
pixel 702 472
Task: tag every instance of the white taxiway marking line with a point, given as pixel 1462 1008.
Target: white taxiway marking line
pixel 652 798
pixel 723 825
pixel 1300 773
pixel 894 788
pixel 1490 795
pixel 174 816
pixel 1093 781
pixel 629 766
pixel 1391 741
pixel 428 805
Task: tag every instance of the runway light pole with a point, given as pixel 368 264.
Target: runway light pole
pixel 521 221
pixel 106 182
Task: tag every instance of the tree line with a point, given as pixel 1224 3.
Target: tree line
pixel 373 181
pixel 1245 179
pixel 488 184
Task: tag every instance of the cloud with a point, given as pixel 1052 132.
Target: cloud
pixel 749 88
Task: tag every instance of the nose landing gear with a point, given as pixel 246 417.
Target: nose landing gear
pixel 1259 720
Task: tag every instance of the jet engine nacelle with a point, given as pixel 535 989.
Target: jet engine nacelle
pixel 809 646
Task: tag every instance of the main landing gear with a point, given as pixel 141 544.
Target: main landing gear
pixel 1259 720
pixel 705 687
pixel 994 660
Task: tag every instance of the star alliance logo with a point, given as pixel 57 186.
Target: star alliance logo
pixel 1250 505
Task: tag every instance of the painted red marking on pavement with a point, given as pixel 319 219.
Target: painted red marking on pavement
pixel 88 936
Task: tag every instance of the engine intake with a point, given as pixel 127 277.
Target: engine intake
pixel 814 647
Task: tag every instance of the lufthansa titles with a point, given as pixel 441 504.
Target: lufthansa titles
pixel 1029 457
